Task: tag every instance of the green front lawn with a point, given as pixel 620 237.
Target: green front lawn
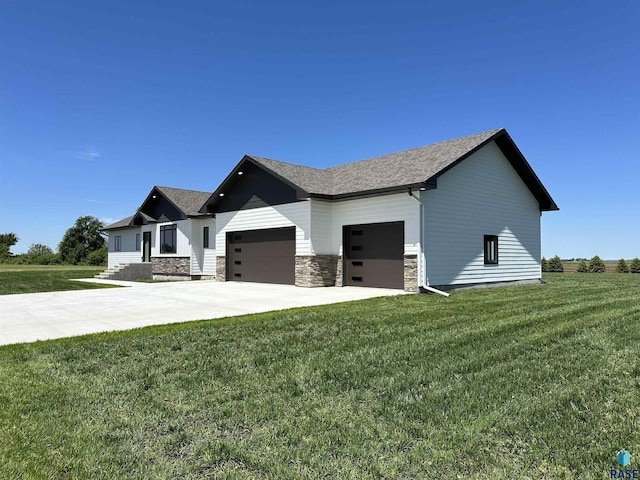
pixel 46 278
pixel 520 382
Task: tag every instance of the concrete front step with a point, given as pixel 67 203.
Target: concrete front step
pixel 127 271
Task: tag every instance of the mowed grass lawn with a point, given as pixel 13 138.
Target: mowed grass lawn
pixel 46 278
pixel 520 382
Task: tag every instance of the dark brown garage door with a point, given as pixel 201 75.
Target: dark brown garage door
pixel 266 256
pixel 374 255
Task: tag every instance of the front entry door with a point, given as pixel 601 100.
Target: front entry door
pixel 146 247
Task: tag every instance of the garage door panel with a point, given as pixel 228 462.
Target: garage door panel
pixel 266 271
pixel 377 273
pixel 262 256
pixel 272 249
pixel 374 255
pixel 389 254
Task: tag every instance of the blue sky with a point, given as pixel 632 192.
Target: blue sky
pixel 99 101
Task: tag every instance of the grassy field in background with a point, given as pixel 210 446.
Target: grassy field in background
pixel 610 266
pixel 45 278
pixel 520 382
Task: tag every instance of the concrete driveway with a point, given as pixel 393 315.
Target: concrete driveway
pixel 43 316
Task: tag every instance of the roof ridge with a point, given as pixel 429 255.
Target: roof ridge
pixel 327 169
pixel 256 157
pixel 330 181
pixel 407 150
pixel 181 189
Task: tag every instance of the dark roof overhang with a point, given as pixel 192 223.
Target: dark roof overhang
pixel 520 164
pixel 235 176
pixel 153 195
pixel 141 218
pixel 501 138
pixel 431 185
pixel 517 160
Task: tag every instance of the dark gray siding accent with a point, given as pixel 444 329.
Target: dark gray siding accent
pixel 162 210
pixel 256 188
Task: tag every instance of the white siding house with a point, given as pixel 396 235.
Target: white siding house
pixel 388 208
pixel 277 216
pixel 322 228
pixel 203 257
pixel 124 247
pixel 167 233
pixel 482 196
pixel 465 211
pixel 461 212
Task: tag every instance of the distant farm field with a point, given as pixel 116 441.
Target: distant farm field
pixel 610 265
pixel 529 382
pixel 45 278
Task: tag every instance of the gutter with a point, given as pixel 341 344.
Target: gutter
pixel 422 264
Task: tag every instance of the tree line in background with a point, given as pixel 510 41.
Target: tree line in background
pixel 83 243
pixel 595 265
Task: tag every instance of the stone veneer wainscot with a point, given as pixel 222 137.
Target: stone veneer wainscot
pixel 316 270
pixel 171 268
pixel 221 269
pixel 410 273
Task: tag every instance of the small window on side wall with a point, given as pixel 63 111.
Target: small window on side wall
pixel 205 237
pixel 491 250
pixel 117 243
pixel 137 242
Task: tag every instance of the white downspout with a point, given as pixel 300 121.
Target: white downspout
pixel 422 264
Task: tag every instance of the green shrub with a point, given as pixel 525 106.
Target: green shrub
pixel 635 265
pixel 39 249
pixel 29 259
pixel 555 264
pixel 583 267
pixel 45 259
pixel 543 264
pixel 622 266
pixel 596 265
pixel 98 257
pixel 13 259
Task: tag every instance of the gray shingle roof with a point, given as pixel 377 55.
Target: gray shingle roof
pixel 189 201
pixel 409 167
pixel 128 222
pixel 312 180
pixel 125 222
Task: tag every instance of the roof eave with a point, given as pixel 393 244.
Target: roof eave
pixel 523 168
pixel 207 208
pixel 300 191
pixel 229 181
pixel 518 161
pixel 158 189
pixel 381 191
